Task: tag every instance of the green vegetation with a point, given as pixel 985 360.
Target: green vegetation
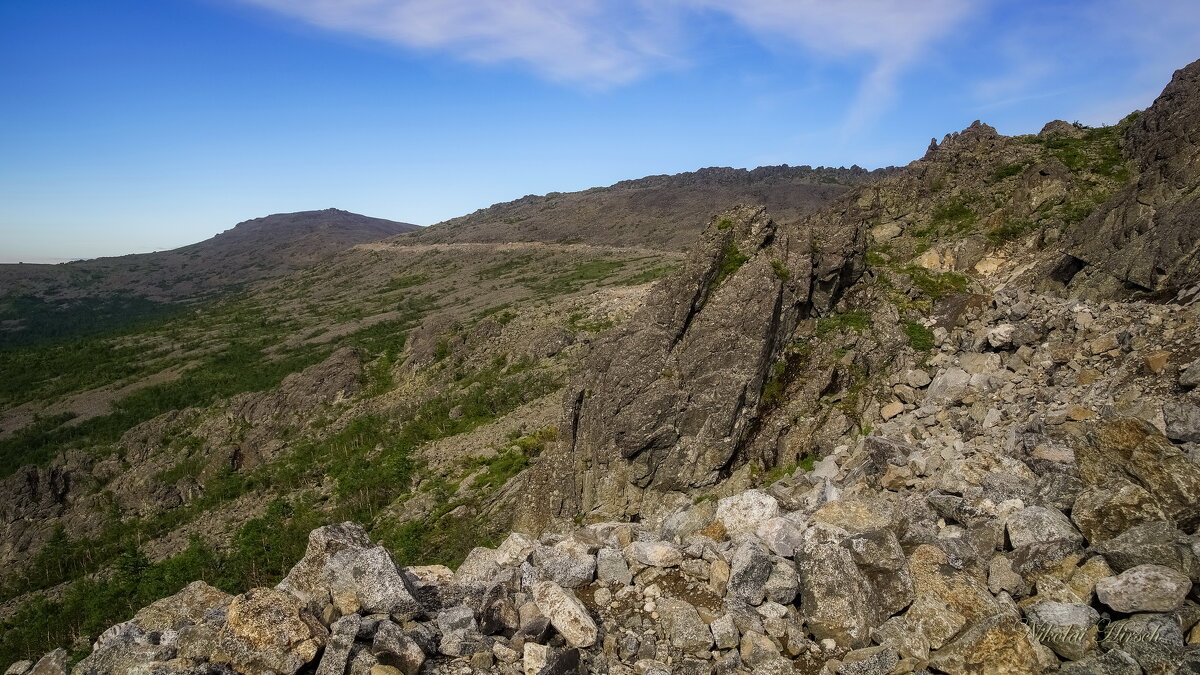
pixel 573 279
pixel 646 276
pixel 42 322
pixel 1008 170
pixel 505 268
pixel 935 285
pixel 263 550
pixel 856 320
pixel 781 270
pixel 952 217
pixel 578 323
pixel 405 281
pixel 920 337
pixel 724 224
pixel 732 260
pixel 777 473
pixel 1097 151
pixel 1010 231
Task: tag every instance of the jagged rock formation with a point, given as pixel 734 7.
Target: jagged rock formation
pixel 1145 237
pixel 664 405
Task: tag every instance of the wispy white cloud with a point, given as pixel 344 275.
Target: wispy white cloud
pixel 605 43
pixel 593 43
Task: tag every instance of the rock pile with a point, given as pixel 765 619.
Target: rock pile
pixel 984 566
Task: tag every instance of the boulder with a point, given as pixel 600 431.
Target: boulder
pixel 834 595
pixel 568 616
pixel 1070 629
pixel 1133 450
pixel 749 571
pixel 341 563
pixel 654 553
pixel 1145 588
pixel 683 626
pixel 1183 421
pixel 267 631
pixel 999 644
pixel 1106 510
pixel 1038 524
pixel 747 511
pixel 392 647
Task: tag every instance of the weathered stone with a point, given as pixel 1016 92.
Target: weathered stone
pixel 456 618
pixel 683 626
pixel 1183 421
pixel 725 632
pixel 897 633
pixel 1132 449
pixel 567 567
pixel 19 668
pixel 1069 629
pixel 632 430
pixel 341 562
pixel 781 586
pixel 854 515
pixel 611 567
pixel 780 535
pixel 933 619
pixel 747 511
pixel 949 386
pixel 748 573
pixel 869 661
pixel 1038 524
pixel 1112 662
pixel 1145 588
pixel 1151 543
pixel 934 579
pixel 834 596
pixel 265 632
pixel 187 606
pixel 757 649
pixel 337 652
pixel 999 644
pixel 393 648
pixel 655 553
pixel 566 613
pixel 1104 511
pixel 54 663
pixel 1190 377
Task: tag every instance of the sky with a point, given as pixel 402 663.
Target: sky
pixel 138 125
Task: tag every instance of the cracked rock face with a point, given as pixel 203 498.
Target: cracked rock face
pixel 1146 237
pixel 666 404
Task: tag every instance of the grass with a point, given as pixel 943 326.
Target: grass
pixel 573 279
pixel 935 285
pixel 646 276
pixel 42 322
pixel 920 337
pixel 732 260
pixel 856 320
pixel 1010 231
pixel 1008 170
pixel 781 270
pixel 777 473
pixel 578 322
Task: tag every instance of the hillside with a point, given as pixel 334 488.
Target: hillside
pixel 659 212
pixel 43 301
pixel 943 418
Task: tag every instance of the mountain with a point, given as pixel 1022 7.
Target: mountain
pixel 947 421
pixel 660 212
pixel 38 301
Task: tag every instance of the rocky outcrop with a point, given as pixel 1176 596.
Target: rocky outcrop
pixel 1148 236
pixel 665 405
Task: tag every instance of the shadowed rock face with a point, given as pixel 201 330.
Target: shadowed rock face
pixel 1148 236
pixel 665 404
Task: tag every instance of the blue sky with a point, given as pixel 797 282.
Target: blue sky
pixel 130 126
